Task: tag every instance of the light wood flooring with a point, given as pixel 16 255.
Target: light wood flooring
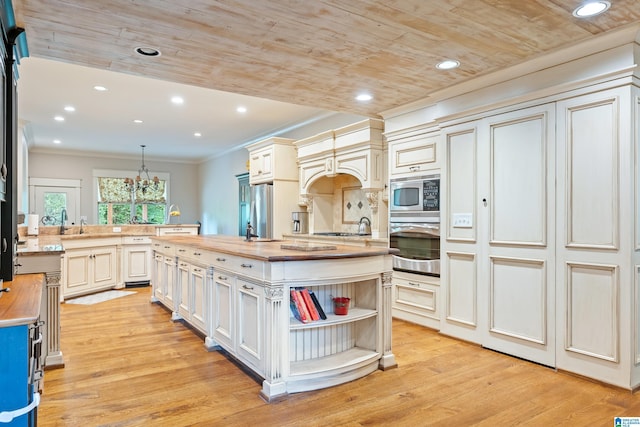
pixel 127 364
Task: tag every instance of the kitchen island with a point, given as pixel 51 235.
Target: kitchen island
pixel 237 294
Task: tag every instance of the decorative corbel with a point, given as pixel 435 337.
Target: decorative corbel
pixel 306 200
pixel 372 199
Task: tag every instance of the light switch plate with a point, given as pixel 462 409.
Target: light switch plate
pixel 463 220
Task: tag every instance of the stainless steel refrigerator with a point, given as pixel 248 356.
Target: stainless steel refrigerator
pixel 262 210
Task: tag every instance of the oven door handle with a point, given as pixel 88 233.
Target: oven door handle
pixel 427 230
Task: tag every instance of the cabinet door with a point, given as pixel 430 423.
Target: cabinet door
pixel 76 265
pixel 184 305
pixel 170 276
pixel 223 314
pixel 104 266
pixel 261 166
pixel 137 263
pixel 159 277
pixel 249 323
pixel 198 277
pixel 413 155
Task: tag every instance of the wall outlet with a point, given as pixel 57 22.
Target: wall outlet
pixel 463 220
pixel 117 229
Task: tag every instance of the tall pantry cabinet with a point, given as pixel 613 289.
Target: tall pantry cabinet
pixel 546 166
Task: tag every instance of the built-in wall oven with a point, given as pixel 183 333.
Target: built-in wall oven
pixel 414 228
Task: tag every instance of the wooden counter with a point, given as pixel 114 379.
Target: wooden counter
pixel 271 250
pixel 21 305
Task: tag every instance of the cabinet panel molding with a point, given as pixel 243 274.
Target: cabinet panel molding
pixel 592 326
pixel 592 190
pixel 518 152
pixel 462 290
pixel 462 170
pixel 518 298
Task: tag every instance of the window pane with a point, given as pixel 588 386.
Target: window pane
pixel 156 213
pixel 103 213
pixel 121 213
pixel 53 205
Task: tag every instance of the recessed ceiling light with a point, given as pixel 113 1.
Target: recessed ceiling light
pixel 100 88
pixel 241 109
pixel 591 8
pixel 137 121
pixel 448 64
pixel 197 134
pixel 363 97
pixel 178 100
pixel 69 108
pixel 56 141
pixel 147 51
pixel 58 119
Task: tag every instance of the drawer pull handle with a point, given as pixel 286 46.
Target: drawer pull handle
pixel 414 284
pixel 247 287
pixel 246 265
pixel 197 270
pixel 197 253
pixel 167 247
pixel 182 250
pixel 221 259
pixel 38 340
pixel 222 277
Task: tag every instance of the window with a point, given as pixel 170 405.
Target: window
pixel 117 204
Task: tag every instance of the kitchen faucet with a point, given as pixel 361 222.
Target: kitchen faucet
pixel 82 222
pixel 250 232
pixel 63 219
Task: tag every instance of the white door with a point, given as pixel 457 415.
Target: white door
pixel 50 196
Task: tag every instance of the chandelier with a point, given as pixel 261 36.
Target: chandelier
pixel 142 181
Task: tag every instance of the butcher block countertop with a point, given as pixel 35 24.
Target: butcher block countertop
pixel 272 250
pixel 21 305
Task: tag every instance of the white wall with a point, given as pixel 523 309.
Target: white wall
pixel 184 186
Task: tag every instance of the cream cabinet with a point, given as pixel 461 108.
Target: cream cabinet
pixel 272 159
pixel 136 260
pixel 499 266
pixel 88 266
pixel 356 149
pixel 238 315
pixel 248 313
pixel 416 299
pixel 191 284
pixel 413 153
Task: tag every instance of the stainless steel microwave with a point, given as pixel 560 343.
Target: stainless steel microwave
pixel 415 197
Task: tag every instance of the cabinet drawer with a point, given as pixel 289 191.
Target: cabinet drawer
pixel 415 297
pixel 136 240
pixel 164 248
pixel 241 266
pixel 195 255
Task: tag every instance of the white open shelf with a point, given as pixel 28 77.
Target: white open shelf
pixel 335 362
pixel 355 314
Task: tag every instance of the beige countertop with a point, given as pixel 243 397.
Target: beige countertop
pixel 271 250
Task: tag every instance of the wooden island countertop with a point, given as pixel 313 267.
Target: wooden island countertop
pixel 21 305
pixel 272 250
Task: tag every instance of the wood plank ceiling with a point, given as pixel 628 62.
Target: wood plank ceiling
pixel 318 53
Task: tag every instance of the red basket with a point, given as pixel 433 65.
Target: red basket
pixel 341 305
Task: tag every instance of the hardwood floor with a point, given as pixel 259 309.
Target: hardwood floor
pixel 127 364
